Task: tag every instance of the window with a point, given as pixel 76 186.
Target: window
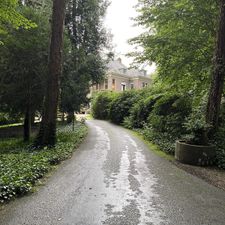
pixel 144 84
pixel 113 84
pixel 106 84
pixel 131 86
pixel 123 86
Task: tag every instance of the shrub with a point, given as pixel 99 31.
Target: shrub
pixel 220 140
pixel 169 113
pixel 101 105
pixel 140 111
pixel 5 118
pixel 121 106
pixel 165 122
pixel 164 140
pixel 21 167
pixel 220 149
pixel 196 126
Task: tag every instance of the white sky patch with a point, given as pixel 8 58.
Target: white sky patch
pixel 119 21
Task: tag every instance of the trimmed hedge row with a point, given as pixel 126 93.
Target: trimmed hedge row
pixel 101 104
pixel 161 117
pixel 158 116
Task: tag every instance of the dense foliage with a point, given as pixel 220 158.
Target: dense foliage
pixel 11 17
pixel 121 105
pixel 162 117
pixel 140 111
pixel 25 55
pixel 185 39
pixel 6 118
pixel 159 117
pixel 101 105
pixel 180 40
pixel 84 64
pixel 21 166
pixel 23 65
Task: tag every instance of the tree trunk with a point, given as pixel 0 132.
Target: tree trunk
pixel 63 117
pixel 47 132
pixel 27 125
pixel 32 118
pixel 218 74
pixel 70 117
pixel 73 128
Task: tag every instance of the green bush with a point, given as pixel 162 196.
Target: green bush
pixel 5 119
pixel 165 122
pixel 220 149
pixel 121 106
pixel 101 104
pixel 220 140
pixel 164 140
pixel 21 167
pixel 140 111
pixel 169 113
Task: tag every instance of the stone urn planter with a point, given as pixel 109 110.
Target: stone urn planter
pixel 198 155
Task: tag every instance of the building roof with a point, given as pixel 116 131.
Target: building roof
pixel 116 66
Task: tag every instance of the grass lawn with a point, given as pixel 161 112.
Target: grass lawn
pixel 21 165
pixel 11 125
pixel 153 147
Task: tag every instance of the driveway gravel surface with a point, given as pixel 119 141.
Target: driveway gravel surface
pixel 114 179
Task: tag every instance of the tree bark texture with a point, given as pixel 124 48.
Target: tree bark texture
pixel 218 74
pixel 47 133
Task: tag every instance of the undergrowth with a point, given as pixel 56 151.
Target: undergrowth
pixel 21 165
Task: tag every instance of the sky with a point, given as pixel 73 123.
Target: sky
pixel 119 21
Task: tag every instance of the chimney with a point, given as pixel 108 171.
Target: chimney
pixel 144 72
pixel 120 60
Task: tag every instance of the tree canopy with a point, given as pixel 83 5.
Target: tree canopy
pixel 179 38
pixel 10 16
pixel 84 65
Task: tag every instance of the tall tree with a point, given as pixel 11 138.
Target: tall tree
pixel 179 38
pixel 47 133
pixel 83 62
pixel 218 74
pixel 23 68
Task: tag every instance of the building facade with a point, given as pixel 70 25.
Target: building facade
pixel 120 78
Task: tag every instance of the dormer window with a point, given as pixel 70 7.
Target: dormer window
pixel 144 72
pixel 123 70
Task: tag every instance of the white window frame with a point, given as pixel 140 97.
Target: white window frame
pixel 123 86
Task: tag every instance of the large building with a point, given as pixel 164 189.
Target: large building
pixel 120 78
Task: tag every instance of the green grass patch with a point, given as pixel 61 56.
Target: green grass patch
pixel 13 145
pixel 11 125
pixel 153 147
pixel 21 166
pixel 89 117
